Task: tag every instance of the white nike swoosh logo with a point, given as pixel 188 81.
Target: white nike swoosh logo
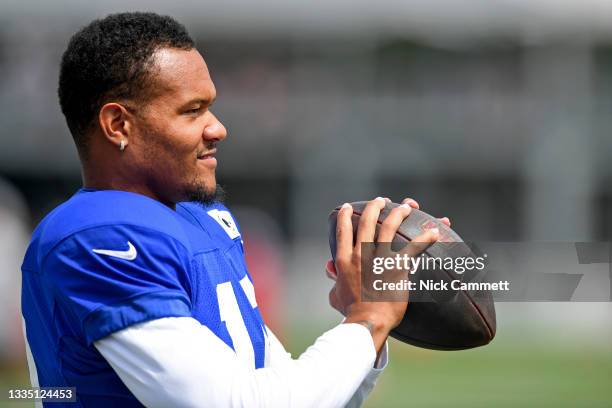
pixel 129 255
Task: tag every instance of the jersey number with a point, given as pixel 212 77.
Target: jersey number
pixel 230 314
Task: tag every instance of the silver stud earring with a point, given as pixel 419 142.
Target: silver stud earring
pixel 122 145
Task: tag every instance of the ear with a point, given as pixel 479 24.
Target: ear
pixel 116 124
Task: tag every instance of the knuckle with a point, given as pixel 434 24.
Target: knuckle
pixel 378 202
pixel 342 261
pixel 332 297
pixel 397 212
pixel 404 209
pixel 389 221
pixel 397 215
pixel 393 220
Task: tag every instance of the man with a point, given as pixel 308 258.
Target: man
pixel 135 290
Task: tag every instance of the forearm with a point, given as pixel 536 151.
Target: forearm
pixel 163 366
pixel 278 355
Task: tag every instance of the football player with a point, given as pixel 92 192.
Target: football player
pixel 135 290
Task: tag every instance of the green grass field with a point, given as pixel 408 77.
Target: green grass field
pixel 495 378
pixel 509 372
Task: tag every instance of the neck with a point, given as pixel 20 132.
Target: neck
pixel 113 182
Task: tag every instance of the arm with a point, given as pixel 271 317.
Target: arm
pixel 279 356
pixel 168 365
pixel 178 362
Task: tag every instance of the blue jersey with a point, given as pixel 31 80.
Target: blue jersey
pixel 105 260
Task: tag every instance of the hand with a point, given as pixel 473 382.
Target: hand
pixel 330 268
pixel 345 296
pixel 412 203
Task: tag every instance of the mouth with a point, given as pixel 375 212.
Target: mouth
pixel 208 158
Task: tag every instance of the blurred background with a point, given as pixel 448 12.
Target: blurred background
pixel 495 114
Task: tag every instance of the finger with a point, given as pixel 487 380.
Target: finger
pixel 368 220
pixel 411 202
pixel 330 270
pixel 388 200
pixel 421 242
pixel 445 221
pixel 392 222
pixel 333 299
pixel 344 233
pixel 330 266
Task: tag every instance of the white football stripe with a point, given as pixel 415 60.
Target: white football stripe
pixel 249 291
pixel 31 364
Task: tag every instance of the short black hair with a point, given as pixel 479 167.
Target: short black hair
pixel 109 60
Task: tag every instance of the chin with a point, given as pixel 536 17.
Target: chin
pixel 204 193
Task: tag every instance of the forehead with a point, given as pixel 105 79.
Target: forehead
pixel 182 74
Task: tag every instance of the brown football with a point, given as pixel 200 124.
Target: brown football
pixel 449 320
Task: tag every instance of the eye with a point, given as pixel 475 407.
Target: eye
pixel 194 111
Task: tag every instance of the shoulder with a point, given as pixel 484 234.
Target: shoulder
pixel 107 212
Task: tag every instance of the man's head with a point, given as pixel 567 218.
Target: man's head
pixel 135 80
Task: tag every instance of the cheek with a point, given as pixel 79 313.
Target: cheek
pixel 186 137
pixel 171 142
pixel 177 144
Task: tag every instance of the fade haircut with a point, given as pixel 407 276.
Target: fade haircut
pixel 110 60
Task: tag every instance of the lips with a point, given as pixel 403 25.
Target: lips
pixel 208 159
pixel 207 155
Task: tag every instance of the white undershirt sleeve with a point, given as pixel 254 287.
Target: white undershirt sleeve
pixel 369 381
pixel 178 362
pixel 279 356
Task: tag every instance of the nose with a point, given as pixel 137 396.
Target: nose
pixel 215 131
